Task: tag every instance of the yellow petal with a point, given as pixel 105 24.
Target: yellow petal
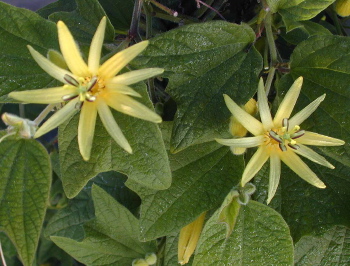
pixel 122 89
pixel 311 138
pixel 294 162
pixel 111 126
pixel 242 142
pixel 313 156
pixel 45 96
pixel 96 47
pixel 86 128
pixel 264 109
pixel 275 173
pixel 288 103
pixel 49 67
pixel 133 77
pixel 301 116
pixel 117 62
pixel 58 118
pixel 254 165
pixel 71 52
pixel 129 106
pixel 248 121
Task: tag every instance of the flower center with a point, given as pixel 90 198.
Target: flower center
pixel 284 136
pixel 87 88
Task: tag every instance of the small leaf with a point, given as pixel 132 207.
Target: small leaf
pixel 68 222
pixel 25 180
pixel 203 62
pixel 260 237
pixel 229 211
pixel 148 165
pixel 324 247
pixel 111 239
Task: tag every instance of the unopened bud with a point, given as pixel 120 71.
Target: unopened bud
pixel 16 125
pixel 151 258
pixel 188 239
pixel 342 7
pixel 139 262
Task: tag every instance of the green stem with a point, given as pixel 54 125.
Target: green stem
pixel 164 8
pixel 44 114
pixel 148 12
pixel 21 110
pixel 273 51
pixel 134 27
pixel 335 19
pixel 151 90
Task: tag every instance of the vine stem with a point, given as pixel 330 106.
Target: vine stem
pixel 44 114
pixel 273 51
pixel 134 27
pixel 164 8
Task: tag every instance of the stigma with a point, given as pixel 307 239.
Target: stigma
pixel 83 87
pixel 286 137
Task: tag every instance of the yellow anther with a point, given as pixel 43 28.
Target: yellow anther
pixel 296 128
pixel 284 129
pixel 293 142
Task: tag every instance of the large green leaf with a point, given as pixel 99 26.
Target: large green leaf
pixel 119 12
pixel 111 239
pixel 148 165
pixel 68 222
pixel 202 175
pixel 57 6
pixel 19 28
pixel 260 237
pixel 323 61
pixel 25 180
pixel 324 247
pixel 299 10
pixel 83 21
pixel 203 62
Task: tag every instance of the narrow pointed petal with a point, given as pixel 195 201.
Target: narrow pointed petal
pixel 112 127
pixel 57 118
pixel 86 128
pixel 129 106
pixel 294 162
pixel 315 139
pixel 117 62
pixel 313 156
pixel 275 174
pixel 264 109
pixel 96 47
pixel 122 89
pixel 249 122
pixel 301 116
pixel 133 77
pixel 288 103
pixel 254 165
pixel 71 52
pixel 243 142
pixel 49 67
pixel 44 96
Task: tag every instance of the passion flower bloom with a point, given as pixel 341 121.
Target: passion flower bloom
pixel 280 139
pixel 91 88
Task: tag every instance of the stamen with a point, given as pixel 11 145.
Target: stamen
pixel 91 83
pixel 70 80
pixel 285 123
pixel 275 136
pixel 282 146
pixel 293 146
pixel 90 97
pixel 292 142
pixel 69 97
pixel 296 128
pixel 298 134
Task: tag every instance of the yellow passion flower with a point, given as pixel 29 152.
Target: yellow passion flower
pixel 91 88
pixel 280 139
